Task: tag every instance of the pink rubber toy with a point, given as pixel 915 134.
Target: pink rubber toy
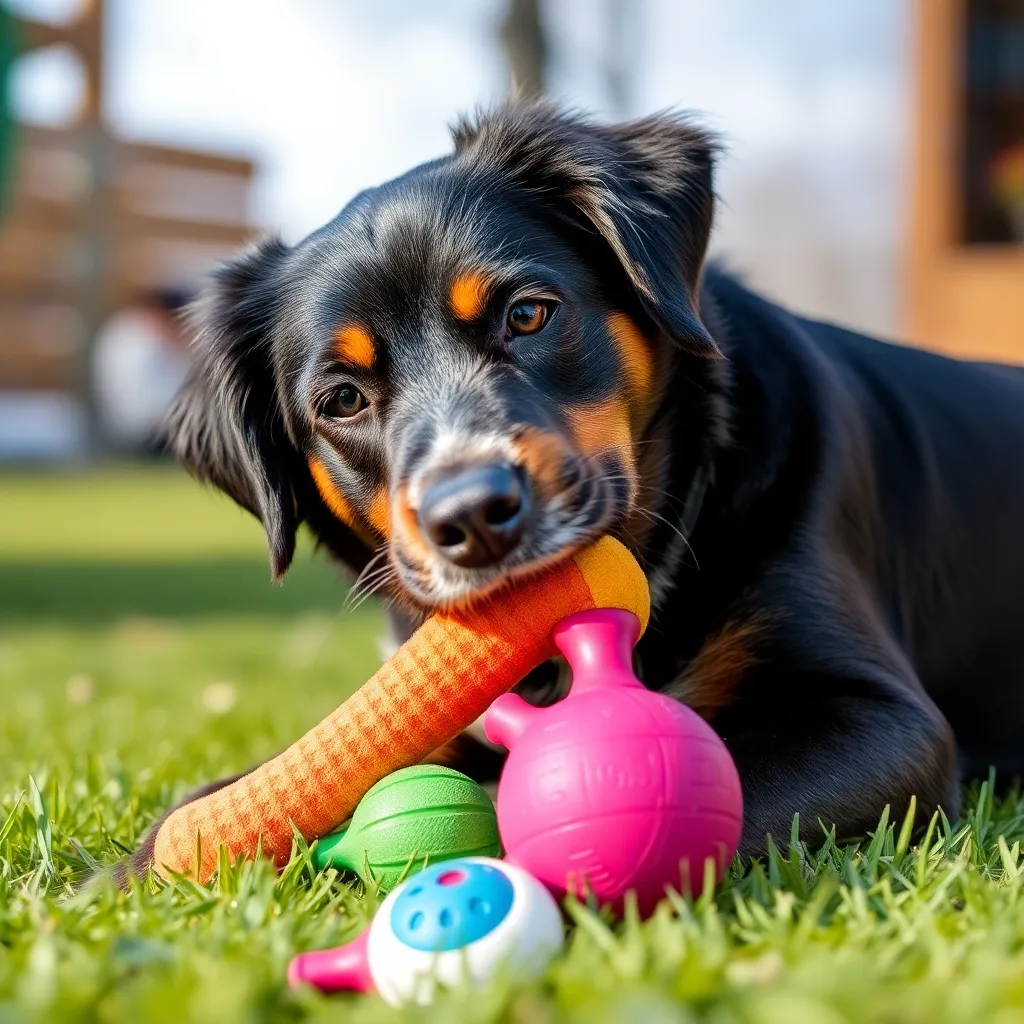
pixel 616 788
pixel 343 969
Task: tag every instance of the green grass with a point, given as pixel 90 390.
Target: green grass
pixel 142 650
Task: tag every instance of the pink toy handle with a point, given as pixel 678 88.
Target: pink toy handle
pixel 344 969
pixel 508 718
pixel 598 645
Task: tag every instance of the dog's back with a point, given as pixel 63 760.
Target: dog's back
pixel 949 451
pixel 930 508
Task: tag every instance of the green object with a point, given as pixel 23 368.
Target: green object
pixel 8 53
pixel 413 817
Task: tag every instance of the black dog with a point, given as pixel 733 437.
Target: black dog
pixel 485 364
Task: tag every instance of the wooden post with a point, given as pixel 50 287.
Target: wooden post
pixel 96 286
pixel 937 27
pixel 96 220
pixel 94 290
pixel 962 297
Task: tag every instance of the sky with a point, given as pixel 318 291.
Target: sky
pixel 331 96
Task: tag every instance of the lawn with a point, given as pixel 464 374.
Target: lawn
pixel 142 650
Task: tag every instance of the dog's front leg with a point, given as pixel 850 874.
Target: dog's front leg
pixel 840 757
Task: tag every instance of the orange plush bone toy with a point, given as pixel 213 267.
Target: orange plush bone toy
pixel 441 680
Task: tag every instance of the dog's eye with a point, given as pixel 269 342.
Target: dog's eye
pixel 528 317
pixel 346 401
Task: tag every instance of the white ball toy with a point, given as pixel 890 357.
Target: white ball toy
pixel 455 921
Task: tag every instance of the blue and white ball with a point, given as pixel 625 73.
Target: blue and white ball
pixel 461 920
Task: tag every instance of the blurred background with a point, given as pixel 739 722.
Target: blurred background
pixel 874 175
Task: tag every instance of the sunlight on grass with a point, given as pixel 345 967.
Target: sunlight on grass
pixel 120 514
pixel 142 650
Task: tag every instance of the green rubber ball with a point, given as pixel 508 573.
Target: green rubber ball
pixel 411 818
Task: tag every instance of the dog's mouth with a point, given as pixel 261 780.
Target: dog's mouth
pixel 562 510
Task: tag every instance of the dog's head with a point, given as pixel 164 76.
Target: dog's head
pixel 461 368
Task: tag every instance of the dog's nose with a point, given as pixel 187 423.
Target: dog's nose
pixel 474 517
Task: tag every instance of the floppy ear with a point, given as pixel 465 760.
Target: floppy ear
pixel 225 425
pixel 645 186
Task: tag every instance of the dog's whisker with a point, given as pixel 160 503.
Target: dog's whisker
pixel 654 492
pixel 372 590
pixel 608 449
pixel 372 565
pixel 371 578
pixel 388 575
pixel 366 587
pixel 657 517
pixel 369 574
pixel 652 516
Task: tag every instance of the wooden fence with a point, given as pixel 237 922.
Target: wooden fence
pixel 74 249
pixel 93 223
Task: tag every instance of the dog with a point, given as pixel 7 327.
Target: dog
pixel 487 363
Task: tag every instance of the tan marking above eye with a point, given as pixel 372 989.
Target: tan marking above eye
pixel 468 295
pixel 353 344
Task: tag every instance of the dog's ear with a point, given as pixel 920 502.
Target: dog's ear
pixel 645 186
pixel 225 425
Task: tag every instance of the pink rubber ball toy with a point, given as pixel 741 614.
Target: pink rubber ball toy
pixel 615 788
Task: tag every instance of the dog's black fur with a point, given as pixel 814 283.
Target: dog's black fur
pixel 833 526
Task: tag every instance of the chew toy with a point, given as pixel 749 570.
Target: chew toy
pixel 411 818
pixel 440 681
pixel 616 787
pixel 453 922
